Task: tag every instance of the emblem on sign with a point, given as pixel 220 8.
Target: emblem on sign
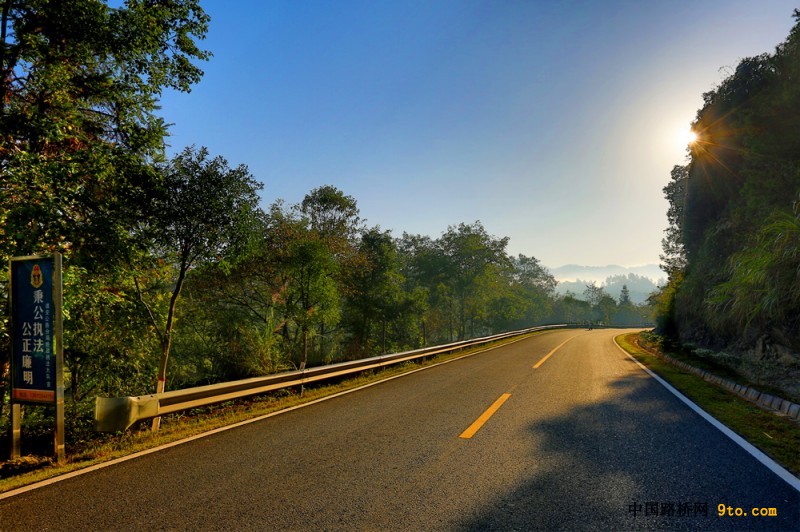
pixel 36 277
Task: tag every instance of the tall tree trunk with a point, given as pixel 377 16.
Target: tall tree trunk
pixel 3 373
pixel 6 65
pixel 166 338
pixel 450 319
pixel 305 355
pixel 304 361
pixel 383 337
pixel 322 340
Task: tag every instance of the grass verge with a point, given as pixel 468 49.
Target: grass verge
pixel 176 427
pixel 776 436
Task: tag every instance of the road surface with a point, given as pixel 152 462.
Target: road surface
pixel 582 439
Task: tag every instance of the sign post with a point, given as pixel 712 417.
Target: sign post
pixel 37 352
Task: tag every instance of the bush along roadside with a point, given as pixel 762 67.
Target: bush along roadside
pixel 772 431
pixel 769 402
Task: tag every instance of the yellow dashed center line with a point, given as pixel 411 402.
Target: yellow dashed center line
pixel 475 427
pixel 548 355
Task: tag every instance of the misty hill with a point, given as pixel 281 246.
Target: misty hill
pixel 639 286
pixel 599 274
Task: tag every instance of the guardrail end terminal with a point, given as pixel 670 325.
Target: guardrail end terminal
pixel 112 414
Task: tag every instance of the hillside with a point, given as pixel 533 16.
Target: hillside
pixel 639 287
pixel 599 274
pixel 733 246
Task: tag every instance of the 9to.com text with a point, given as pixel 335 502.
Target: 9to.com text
pixel 724 510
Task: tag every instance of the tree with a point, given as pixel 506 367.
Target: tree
pixel 79 129
pixel 535 287
pixel 299 275
pixel 377 295
pixel 108 338
pixel 312 296
pixel 472 257
pixel 638 287
pixel 730 206
pixel 332 221
pixel 603 305
pixel 570 309
pixel 204 209
pixel 422 268
pixel 79 87
pixel 626 312
pixel 673 258
pixel 625 296
pixel 332 214
pixel 593 294
pixel 529 272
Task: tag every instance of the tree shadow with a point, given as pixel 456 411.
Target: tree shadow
pixel 639 460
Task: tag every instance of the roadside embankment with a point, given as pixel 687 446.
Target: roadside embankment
pixel 770 429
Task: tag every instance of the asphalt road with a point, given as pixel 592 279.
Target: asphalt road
pixel 585 441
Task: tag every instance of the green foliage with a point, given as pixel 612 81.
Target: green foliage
pixel 83 172
pixel 79 133
pixel 312 292
pixel 202 213
pixel 470 260
pixel 379 312
pixel 732 249
pixel 79 84
pixel 569 309
pixel 674 256
pixel 332 214
pixel 764 284
pixel 663 303
pixel 625 296
pixel 639 287
pixel 108 339
pixel 203 210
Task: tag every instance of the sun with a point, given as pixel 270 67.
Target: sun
pixel 686 138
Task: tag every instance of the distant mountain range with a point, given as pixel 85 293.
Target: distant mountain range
pixel 598 274
pixel 640 280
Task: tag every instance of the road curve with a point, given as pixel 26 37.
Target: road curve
pixel 573 435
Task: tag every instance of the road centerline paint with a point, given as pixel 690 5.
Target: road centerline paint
pixel 476 426
pixel 548 355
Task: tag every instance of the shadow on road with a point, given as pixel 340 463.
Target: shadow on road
pixel 639 460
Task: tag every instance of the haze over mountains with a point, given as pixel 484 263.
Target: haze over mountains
pixel 640 280
pixel 598 274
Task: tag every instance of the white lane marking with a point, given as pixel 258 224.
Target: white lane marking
pixel 771 464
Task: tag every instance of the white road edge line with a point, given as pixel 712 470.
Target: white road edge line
pixel 83 471
pixel 771 464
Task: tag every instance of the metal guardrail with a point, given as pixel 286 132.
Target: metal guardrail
pixel 113 414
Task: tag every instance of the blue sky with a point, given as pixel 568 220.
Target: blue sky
pixel 552 122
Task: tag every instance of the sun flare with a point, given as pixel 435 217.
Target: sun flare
pixel 686 137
